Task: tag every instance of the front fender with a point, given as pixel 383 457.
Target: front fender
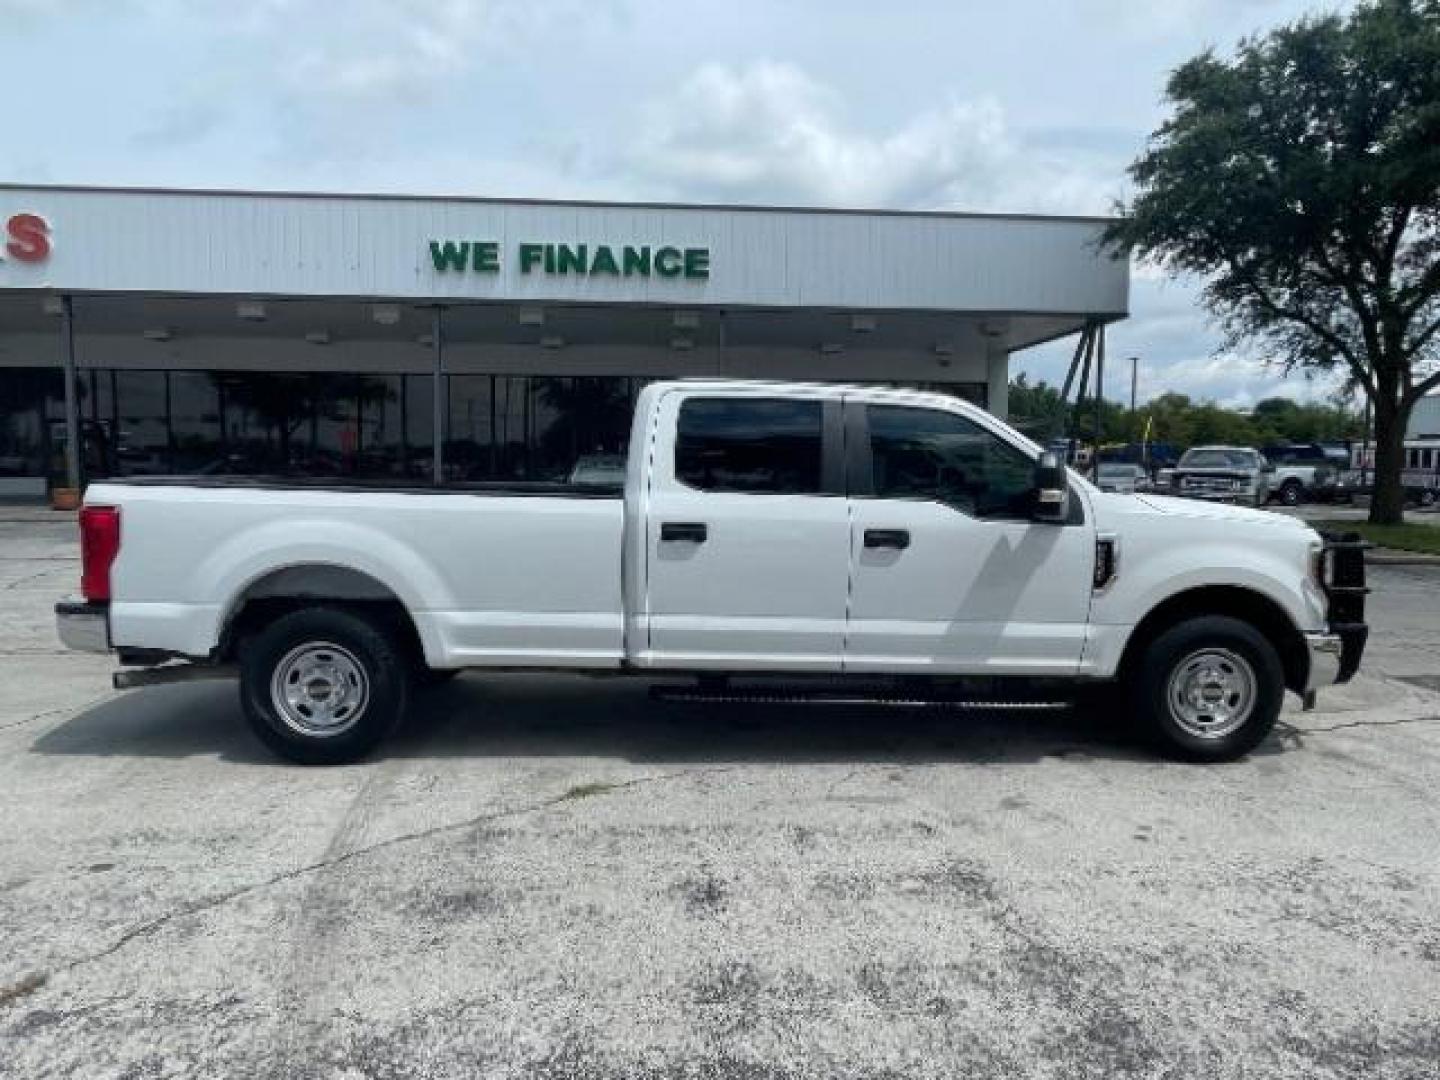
pixel 1154 574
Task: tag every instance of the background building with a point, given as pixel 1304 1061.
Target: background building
pixel 393 337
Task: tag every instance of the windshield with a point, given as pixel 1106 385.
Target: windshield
pixel 1118 472
pixel 1217 459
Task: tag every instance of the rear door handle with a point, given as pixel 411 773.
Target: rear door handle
pixel 683 532
pixel 887 538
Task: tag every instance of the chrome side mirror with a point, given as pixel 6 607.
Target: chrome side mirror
pixel 1052 490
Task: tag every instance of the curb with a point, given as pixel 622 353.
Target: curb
pixel 1394 557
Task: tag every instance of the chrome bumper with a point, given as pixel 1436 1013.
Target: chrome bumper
pixel 1334 657
pixel 1325 651
pixel 82 626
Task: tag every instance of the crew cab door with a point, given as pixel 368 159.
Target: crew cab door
pixel 950 574
pixel 747 533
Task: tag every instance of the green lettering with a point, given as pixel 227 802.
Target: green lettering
pixel 549 258
pixel 604 262
pixel 697 262
pixel 637 261
pixel 569 259
pixel 667 262
pixel 486 257
pixel 529 256
pixel 449 255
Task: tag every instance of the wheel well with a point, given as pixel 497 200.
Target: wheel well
pixel 293 588
pixel 1238 603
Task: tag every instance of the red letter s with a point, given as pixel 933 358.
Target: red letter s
pixel 29 238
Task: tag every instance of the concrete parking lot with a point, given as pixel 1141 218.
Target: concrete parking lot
pixel 558 878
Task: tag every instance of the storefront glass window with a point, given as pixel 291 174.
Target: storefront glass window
pixel 140 439
pixel 27 397
pixel 199 445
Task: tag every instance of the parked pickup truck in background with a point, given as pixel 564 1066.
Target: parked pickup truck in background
pixel 1222 474
pixel 1302 472
pixel 879 541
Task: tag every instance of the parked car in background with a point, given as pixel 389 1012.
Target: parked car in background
pixel 1122 477
pixel 1303 472
pixel 1235 474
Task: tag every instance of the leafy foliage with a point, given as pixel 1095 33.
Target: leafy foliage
pixel 1177 419
pixel 1301 180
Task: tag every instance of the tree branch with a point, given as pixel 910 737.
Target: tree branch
pixel 1423 337
pixel 1339 344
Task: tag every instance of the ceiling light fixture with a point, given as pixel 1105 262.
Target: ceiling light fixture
pixel 862 324
pixel 250 311
pixel 158 333
pixel 552 341
pixel 682 343
pixel 318 337
pixel 386 314
pixel 532 316
pixel 830 348
pixel 687 320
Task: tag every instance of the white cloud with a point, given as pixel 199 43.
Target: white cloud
pixel 771 133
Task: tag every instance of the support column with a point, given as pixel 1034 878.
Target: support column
pixel 437 403
pixel 997 372
pixel 72 404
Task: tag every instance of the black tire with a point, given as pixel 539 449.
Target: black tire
pixel 1221 655
pixel 335 647
pixel 1290 493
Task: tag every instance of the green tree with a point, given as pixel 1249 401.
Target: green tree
pixel 1301 180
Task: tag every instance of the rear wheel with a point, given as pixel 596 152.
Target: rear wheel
pixel 1290 493
pixel 1209 689
pixel 323 686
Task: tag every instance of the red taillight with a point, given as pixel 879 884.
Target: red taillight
pixel 99 544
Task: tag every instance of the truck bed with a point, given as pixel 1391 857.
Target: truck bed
pixel 496 574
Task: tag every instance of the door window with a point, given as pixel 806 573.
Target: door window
pixel 761 446
pixel 942 456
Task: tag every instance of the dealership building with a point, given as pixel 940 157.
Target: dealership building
pixel 453 339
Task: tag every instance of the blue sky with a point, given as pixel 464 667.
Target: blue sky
pixel 1018 106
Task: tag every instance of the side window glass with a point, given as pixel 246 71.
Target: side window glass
pixel 761 446
pixel 929 454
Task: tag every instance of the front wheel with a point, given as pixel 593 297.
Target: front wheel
pixel 1209 689
pixel 1290 493
pixel 323 686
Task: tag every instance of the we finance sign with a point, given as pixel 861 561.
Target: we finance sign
pixel 571 260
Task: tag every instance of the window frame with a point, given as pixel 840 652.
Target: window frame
pixel 860 463
pixel 832 445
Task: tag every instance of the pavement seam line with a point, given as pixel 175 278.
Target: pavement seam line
pixel 57 712
pixel 1367 723
pixel 159 922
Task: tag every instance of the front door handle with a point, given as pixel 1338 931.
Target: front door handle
pixel 683 532
pixel 887 538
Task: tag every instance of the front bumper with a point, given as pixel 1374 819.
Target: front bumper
pixel 83 626
pixel 1335 657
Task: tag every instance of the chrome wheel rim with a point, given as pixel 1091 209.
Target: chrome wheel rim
pixel 319 689
pixel 1212 693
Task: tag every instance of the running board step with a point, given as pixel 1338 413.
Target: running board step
pixel 691 696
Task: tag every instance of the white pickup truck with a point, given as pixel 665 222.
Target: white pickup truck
pixel 861 543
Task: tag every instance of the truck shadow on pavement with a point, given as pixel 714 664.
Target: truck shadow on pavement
pixel 498 716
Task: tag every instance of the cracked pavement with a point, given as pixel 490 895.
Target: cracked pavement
pixel 552 877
